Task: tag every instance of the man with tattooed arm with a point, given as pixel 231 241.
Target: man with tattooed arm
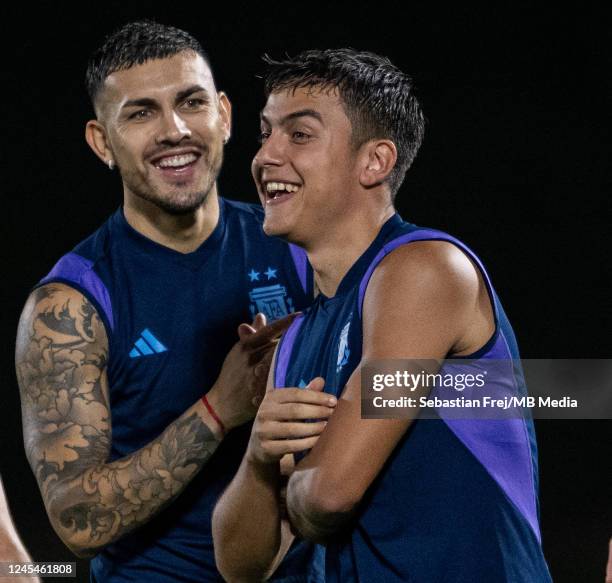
pixel 133 389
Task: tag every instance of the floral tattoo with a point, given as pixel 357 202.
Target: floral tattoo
pixel 61 360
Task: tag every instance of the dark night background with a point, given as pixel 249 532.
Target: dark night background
pixel 513 163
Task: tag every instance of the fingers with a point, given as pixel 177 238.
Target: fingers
pixel 256 400
pixel 291 420
pixel 260 371
pixel 277 449
pixel 287 465
pixel 246 330
pixel 275 430
pixel 268 333
pixel 288 405
pixel 294 412
pixel 304 396
pixel 260 321
pixel 316 384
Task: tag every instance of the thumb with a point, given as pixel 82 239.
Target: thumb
pixel 245 330
pixel 316 384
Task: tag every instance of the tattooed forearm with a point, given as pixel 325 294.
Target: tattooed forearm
pixel 61 361
pixel 109 500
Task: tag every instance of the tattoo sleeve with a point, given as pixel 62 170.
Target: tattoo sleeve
pixel 61 361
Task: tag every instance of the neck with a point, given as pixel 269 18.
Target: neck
pixel 183 233
pixel 334 254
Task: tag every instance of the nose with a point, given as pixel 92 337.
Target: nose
pixel 173 128
pixel 271 152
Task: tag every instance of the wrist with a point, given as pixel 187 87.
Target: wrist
pixel 214 419
pixel 266 470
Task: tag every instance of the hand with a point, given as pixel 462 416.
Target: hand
pixel 280 425
pixel 241 384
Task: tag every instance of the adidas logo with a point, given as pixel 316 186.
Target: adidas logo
pixel 147 344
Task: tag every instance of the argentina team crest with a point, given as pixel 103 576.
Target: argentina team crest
pixel 272 299
pixel 343 348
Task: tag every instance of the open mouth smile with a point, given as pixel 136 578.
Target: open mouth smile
pixel 177 164
pixel 276 192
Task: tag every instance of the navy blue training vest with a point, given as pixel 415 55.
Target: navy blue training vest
pixel 457 499
pixel 171 318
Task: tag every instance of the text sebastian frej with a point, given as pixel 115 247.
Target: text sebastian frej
pixel 458 382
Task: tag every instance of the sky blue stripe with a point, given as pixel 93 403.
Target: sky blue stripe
pixel 143 347
pixel 152 341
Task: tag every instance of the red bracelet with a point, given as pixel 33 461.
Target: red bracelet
pixel 213 414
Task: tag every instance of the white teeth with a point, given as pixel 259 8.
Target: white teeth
pixel 176 161
pixel 274 186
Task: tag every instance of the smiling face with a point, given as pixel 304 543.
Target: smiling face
pixel 305 170
pixel 164 124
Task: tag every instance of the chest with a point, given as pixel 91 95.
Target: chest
pixel 328 344
pixel 174 325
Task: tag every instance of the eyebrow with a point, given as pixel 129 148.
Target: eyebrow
pixel 148 102
pixel 189 91
pixel 294 115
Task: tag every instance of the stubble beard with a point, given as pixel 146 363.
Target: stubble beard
pixel 178 202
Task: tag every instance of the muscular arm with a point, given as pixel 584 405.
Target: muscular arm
pixel 250 529
pixel 61 360
pixel 246 528
pixel 425 300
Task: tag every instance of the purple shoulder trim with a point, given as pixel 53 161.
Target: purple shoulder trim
pixel 78 270
pixel 284 352
pixel 500 445
pixel 301 264
pixel 421 235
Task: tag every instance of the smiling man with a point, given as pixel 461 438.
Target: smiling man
pixel 410 499
pixel 128 404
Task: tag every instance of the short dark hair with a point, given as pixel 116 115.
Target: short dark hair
pixel 378 98
pixel 134 44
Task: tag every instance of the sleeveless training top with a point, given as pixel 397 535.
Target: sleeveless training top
pixel 457 499
pixel 171 318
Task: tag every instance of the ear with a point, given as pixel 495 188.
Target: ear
pixel 379 158
pixel 95 135
pixel 225 112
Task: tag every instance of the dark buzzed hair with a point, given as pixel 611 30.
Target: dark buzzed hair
pixel 378 98
pixel 134 44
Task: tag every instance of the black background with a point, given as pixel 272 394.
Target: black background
pixel 514 163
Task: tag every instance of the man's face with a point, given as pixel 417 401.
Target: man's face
pixel 305 168
pixel 166 126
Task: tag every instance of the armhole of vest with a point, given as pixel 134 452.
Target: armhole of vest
pixel 473 259
pixel 90 297
pixel 279 359
pixel 290 335
pixel 303 270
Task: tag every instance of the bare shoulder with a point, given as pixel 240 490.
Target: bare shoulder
pixel 59 331
pixel 60 313
pixel 427 263
pixel 421 299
